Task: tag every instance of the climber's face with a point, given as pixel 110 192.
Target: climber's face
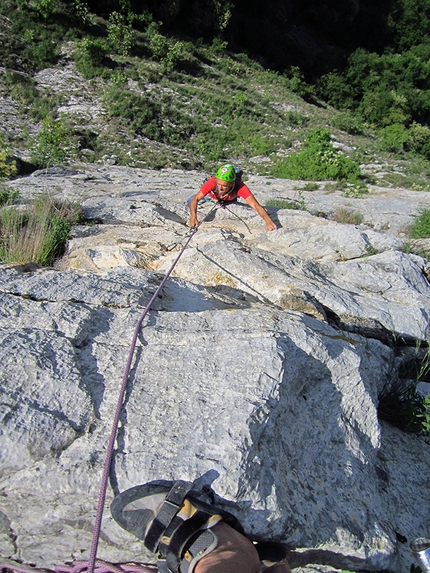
pixel 224 187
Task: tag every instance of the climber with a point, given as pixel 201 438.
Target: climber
pixel 225 187
pixel 190 535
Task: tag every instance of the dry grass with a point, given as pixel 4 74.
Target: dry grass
pixel 38 233
pixel 343 215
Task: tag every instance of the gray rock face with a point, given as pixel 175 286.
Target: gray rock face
pixel 258 369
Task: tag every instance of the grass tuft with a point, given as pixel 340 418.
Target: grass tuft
pixel 420 229
pixel 285 204
pixel 343 215
pixel 37 234
pixel 401 404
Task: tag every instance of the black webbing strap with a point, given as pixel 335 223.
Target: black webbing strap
pixel 166 513
pixel 183 536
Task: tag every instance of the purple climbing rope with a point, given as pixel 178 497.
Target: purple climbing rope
pixel 106 567
pixel 80 567
pixel 111 443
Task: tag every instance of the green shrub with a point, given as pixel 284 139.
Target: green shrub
pixel 53 145
pixel 420 228
pixel 394 138
pixel 8 195
pixel 419 139
pixel 164 50
pixel 81 12
pixel 41 54
pixel 348 122
pixel 44 7
pixel 384 89
pixel 119 78
pixel 7 168
pixel 298 84
pixel 18 87
pixel 319 160
pixel 91 58
pixel 400 403
pixel 218 46
pixel 38 234
pixel 120 34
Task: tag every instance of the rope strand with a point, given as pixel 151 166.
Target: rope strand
pixel 111 443
pixel 81 567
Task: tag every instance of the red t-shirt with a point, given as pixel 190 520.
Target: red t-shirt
pixel 239 190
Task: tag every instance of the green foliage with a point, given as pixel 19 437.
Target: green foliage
pixel 410 22
pixel 311 187
pixel 7 167
pixel 42 54
pixel 91 57
pixel 297 119
pixel 39 233
pixel 318 160
pixel 53 145
pixel 119 78
pixel 164 50
pixel 143 115
pixel 421 226
pixel 81 12
pixel 349 123
pixel 19 87
pixel 296 205
pixel 415 182
pixel 44 7
pixel 394 138
pixel 219 46
pixel 357 191
pixel 401 405
pixel 8 195
pixel 419 139
pixel 298 84
pixel 211 104
pixel 384 90
pixel 120 33
pixel 260 145
pixel 35 31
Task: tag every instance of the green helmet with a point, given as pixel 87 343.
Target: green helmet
pixel 226 173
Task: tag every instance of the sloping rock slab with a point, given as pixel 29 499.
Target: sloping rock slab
pixel 280 407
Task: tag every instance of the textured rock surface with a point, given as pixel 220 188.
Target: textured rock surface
pixel 259 368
